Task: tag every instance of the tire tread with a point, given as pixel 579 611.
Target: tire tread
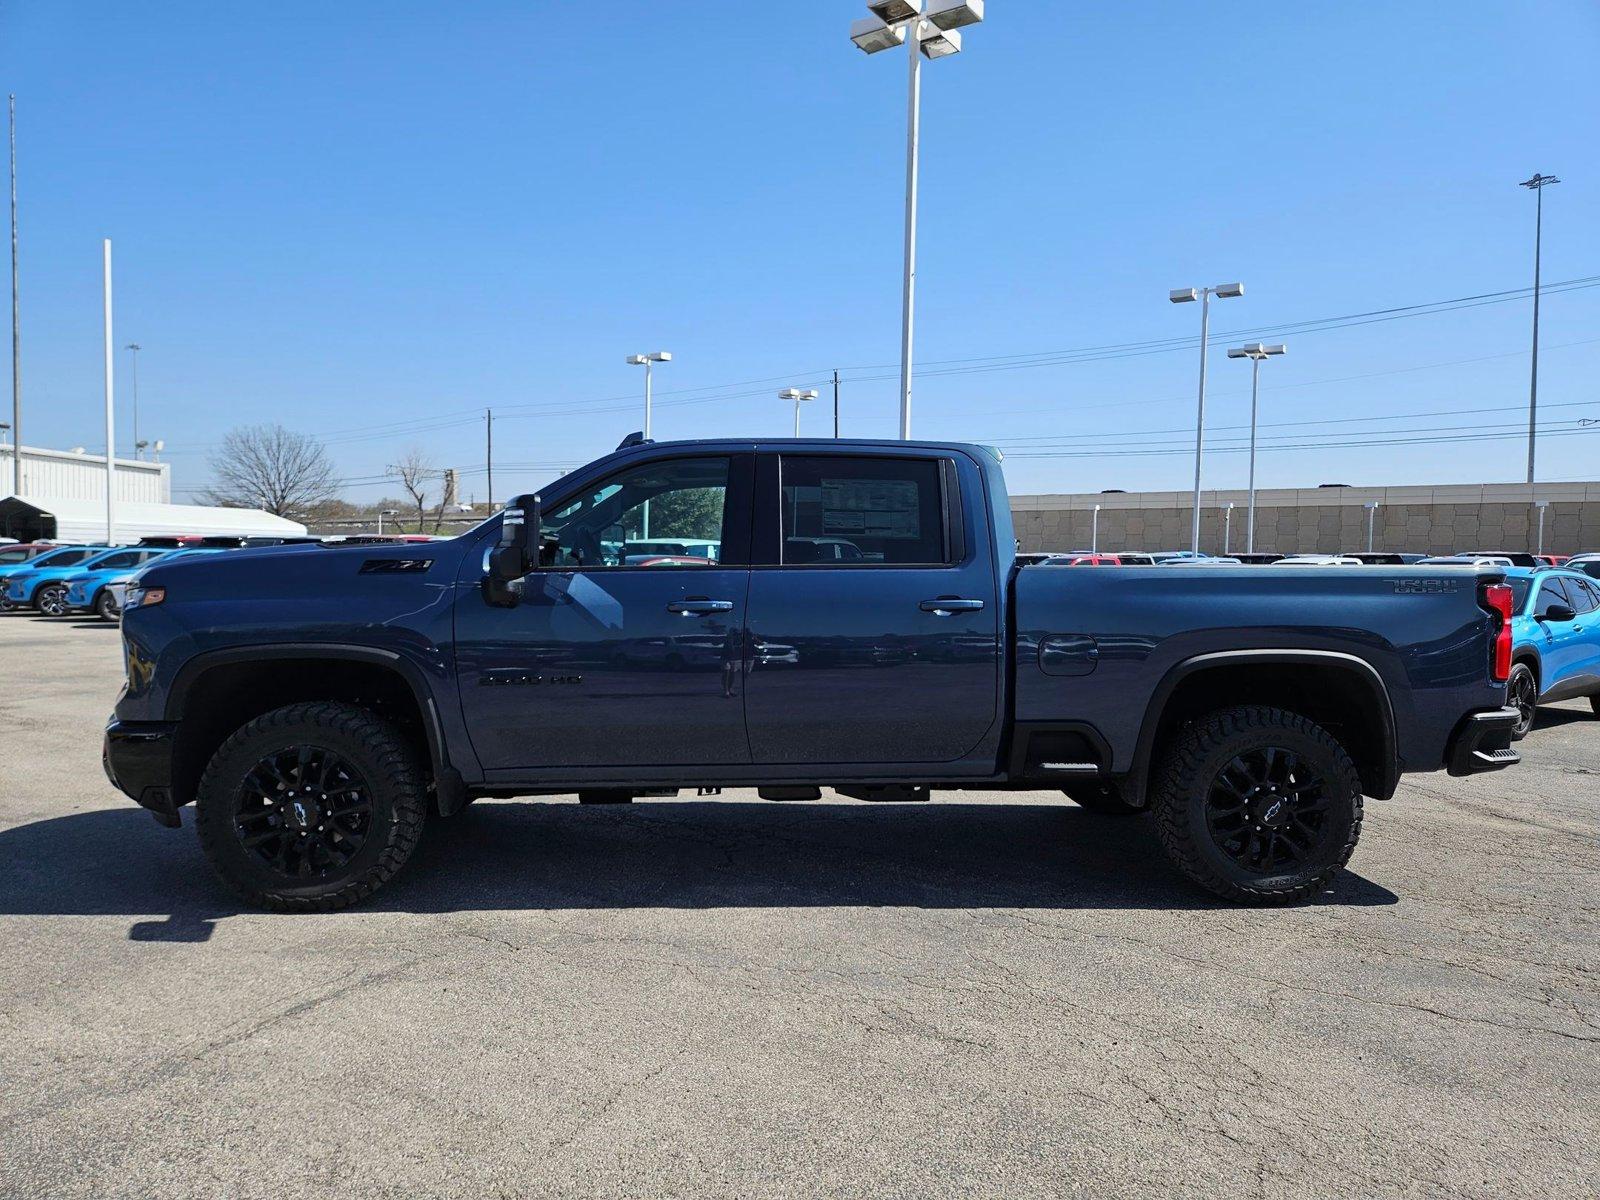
pixel 1182 762
pixel 395 769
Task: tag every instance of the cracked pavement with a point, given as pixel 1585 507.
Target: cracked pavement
pixel 738 998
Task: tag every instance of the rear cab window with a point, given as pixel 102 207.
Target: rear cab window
pixel 867 512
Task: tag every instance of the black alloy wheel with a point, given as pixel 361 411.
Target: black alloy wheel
pixel 1267 809
pixel 1522 693
pixel 105 606
pixel 312 807
pixel 1257 804
pixel 304 812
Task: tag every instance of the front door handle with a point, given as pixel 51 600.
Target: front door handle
pixel 698 606
pixel 945 605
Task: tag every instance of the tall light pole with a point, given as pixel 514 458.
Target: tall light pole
pixel 385 512
pixel 934 35
pixel 135 348
pixel 647 361
pixel 1372 523
pixel 1094 531
pixel 1541 506
pixel 1255 354
pixel 16 328
pixel 799 397
pixel 1537 185
pixel 1223 291
pixel 1227 527
pixel 111 424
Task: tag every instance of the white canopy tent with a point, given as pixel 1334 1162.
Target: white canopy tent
pixel 85 520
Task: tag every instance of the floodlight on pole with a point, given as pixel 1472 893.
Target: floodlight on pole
pixel 799 397
pixel 647 361
pixel 925 35
pixel 1536 185
pixel 1255 353
pixel 1226 291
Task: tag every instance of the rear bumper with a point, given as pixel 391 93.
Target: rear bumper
pixel 137 757
pixel 1482 742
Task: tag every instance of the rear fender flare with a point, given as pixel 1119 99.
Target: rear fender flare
pixel 1144 749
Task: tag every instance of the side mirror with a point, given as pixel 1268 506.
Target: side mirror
pixel 1558 612
pixel 514 556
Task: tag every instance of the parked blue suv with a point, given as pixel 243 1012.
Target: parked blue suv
pixel 89 588
pixel 1555 640
pixel 62 556
pixel 44 586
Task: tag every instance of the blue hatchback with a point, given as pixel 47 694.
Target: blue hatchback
pixel 1555 634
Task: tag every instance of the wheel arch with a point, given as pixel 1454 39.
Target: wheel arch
pixel 1530 656
pixel 1349 698
pixel 217 692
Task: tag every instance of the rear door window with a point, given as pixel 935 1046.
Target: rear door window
pixel 862 512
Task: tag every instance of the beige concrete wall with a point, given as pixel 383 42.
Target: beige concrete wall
pixel 1428 520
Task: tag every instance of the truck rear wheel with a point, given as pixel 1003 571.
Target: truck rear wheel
pixel 1257 804
pixel 311 807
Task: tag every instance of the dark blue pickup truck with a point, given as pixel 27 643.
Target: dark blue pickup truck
pixel 788 615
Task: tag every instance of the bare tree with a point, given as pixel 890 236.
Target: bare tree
pixel 415 470
pixel 270 467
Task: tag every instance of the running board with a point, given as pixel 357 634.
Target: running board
pixel 1064 768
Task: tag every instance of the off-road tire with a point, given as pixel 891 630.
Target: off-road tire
pixel 388 767
pixel 1191 763
pixel 1522 693
pixel 1102 797
pixel 105 606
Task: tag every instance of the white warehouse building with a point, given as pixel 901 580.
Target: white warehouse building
pixel 63 498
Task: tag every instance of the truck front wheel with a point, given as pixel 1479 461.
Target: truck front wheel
pixel 1257 804
pixel 311 807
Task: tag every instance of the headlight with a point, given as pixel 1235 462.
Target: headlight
pixel 142 597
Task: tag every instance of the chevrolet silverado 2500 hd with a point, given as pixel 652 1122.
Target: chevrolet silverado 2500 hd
pixel 845 614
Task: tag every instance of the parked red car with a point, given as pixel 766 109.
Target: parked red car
pixel 1085 560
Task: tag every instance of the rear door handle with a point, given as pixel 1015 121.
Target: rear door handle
pixel 698 606
pixel 945 605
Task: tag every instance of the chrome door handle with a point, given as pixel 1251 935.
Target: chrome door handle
pixel 945 605
pixel 698 606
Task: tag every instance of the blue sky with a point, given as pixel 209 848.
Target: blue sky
pixel 370 221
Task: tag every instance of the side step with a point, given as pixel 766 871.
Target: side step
pixel 895 793
pixel 790 793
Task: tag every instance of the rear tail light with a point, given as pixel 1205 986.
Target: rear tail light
pixel 1497 599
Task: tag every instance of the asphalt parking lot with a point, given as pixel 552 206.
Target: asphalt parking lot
pixel 739 998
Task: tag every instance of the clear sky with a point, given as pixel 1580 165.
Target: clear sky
pixel 372 220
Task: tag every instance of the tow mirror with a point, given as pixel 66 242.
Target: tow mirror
pixel 514 556
pixel 1558 612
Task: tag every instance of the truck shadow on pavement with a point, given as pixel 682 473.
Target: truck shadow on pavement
pixel 673 854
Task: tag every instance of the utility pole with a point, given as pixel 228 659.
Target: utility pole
pixel 16 330
pixel 836 404
pixel 1536 185
pixel 488 452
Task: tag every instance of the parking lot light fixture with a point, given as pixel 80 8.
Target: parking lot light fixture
pixel 385 512
pixel 1226 291
pixel 799 397
pixel 1372 521
pixel 1227 527
pixel 896 22
pixel 1255 353
pixel 1094 531
pixel 647 361
pixel 1541 506
pixel 1536 185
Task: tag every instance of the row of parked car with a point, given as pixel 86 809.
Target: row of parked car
pixel 59 579
pixel 1555 604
